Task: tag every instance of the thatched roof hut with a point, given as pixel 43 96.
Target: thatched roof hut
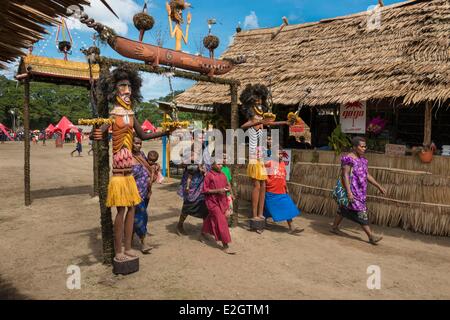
pixel 44 69
pixel 400 51
pixel 22 23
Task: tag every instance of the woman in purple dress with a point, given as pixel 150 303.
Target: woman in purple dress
pixel 141 173
pixel 355 175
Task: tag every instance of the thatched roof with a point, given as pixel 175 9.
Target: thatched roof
pixel 343 60
pixel 22 23
pixel 59 71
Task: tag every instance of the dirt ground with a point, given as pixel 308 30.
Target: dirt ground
pixel 62 228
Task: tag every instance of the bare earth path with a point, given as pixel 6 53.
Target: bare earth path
pixel 61 228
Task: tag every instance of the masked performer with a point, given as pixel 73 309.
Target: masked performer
pixel 254 105
pixel 123 91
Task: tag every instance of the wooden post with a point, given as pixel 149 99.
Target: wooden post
pixel 234 125
pixel 26 123
pixel 95 149
pixel 427 125
pixel 103 176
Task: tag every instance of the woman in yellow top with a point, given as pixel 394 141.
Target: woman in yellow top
pixel 175 12
pixel 254 105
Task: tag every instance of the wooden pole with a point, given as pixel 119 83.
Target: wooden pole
pixel 26 122
pixel 95 149
pixel 103 176
pixel 234 125
pixel 427 125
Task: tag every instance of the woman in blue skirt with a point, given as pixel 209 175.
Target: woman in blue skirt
pixel 278 204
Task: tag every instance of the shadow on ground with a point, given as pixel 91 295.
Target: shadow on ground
pixel 59 192
pixel 95 245
pixel 9 292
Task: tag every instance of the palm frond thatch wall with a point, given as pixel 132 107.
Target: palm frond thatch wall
pixel 416 200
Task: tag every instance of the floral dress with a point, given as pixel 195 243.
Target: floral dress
pixel 357 210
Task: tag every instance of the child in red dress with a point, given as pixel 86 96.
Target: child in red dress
pixel 215 188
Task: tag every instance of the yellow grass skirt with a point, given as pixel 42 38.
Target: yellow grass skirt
pixel 256 170
pixel 123 192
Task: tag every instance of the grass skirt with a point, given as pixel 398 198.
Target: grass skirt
pixel 123 192
pixel 257 171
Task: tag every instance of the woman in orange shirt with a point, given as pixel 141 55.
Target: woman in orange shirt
pixel 278 204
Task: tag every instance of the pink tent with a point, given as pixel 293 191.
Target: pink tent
pixel 50 128
pixel 5 130
pixel 148 126
pixel 64 125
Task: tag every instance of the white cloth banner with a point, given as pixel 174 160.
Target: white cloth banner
pixel 353 117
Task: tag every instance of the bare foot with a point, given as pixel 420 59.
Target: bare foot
pixel 375 239
pixel 130 253
pixel 335 230
pixel 121 257
pixel 295 231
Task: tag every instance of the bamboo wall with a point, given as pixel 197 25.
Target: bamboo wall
pixel 417 199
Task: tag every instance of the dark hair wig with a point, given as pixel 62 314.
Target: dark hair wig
pixel 248 98
pixel 108 83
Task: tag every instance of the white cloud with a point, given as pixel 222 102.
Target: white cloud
pixel 251 21
pixel 293 17
pixel 125 9
pixel 155 86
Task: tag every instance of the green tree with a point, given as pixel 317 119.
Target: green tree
pixel 48 102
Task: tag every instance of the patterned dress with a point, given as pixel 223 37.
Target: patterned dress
pixel 141 175
pixel 357 210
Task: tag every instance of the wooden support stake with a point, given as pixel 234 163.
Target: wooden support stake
pixel 234 126
pixel 26 122
pixel 427 126
pixel 95 149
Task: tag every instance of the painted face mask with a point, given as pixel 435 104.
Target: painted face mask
pixel 124 91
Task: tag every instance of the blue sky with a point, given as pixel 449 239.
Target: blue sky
pixel 249 13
